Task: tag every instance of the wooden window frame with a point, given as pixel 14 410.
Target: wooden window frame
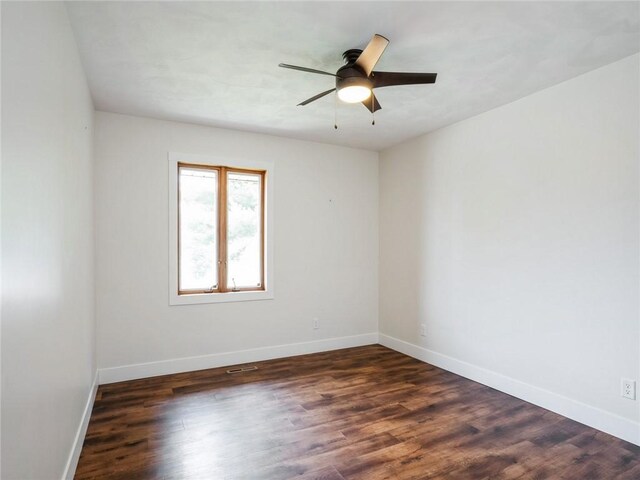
pixel 221 219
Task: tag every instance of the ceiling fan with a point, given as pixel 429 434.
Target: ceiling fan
pixel 356 79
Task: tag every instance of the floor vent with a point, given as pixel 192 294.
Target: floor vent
pixel 242 369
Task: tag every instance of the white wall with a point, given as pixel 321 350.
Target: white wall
pixel 0 246
pixel 47 241
pixel 513 236
pixel 326 245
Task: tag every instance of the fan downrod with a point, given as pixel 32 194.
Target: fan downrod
pixel 350 56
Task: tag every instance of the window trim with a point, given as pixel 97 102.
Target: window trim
pixel 243 294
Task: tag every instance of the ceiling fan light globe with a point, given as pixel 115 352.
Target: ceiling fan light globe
pixel 354 94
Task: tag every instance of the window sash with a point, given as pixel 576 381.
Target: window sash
pixel 223 286
pixel 232 216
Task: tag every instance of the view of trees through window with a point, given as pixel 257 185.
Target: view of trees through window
pixel 202 225
pixel 243 230
pixel 198 229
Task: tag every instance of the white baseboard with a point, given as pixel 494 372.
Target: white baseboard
pixel 189 364
pixel 580 412
pixel 74 455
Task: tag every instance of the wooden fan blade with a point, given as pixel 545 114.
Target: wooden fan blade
pixel 389 79
pixel 313 99
pixel 372 53
pixel 372 103
pixel 305 69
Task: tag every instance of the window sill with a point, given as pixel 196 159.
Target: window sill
pixel 198 298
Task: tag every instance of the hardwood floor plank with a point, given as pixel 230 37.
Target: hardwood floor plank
pixel 365 413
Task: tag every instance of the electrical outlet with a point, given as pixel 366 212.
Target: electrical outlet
pixel 629 388
pixel 316 323
pixel 423 330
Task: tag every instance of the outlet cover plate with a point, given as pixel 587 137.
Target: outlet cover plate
pixel 628 388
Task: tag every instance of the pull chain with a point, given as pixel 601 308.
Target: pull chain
pixel 373 111
pixel 335 111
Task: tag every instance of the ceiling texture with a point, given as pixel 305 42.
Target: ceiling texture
pixel 216 63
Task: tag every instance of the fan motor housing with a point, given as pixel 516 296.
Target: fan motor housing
pixel 354 80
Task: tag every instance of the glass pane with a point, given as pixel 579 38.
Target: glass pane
pixel 244 230
pixel 198 197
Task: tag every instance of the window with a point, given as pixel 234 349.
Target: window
pixel 220 227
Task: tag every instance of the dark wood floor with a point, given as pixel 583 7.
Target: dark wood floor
pixel 360 413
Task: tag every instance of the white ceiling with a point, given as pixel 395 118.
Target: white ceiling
pixel 216 63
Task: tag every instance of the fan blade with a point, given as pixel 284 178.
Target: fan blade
pixel 372 53
pixel 313 99
pixel 305 69
pixel 388 79
pixel 372 103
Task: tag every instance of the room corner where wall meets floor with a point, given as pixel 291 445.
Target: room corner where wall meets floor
pixel 511 240
pixel 223 359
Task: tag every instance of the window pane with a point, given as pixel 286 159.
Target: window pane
pixel 244 249
pixel 198 197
